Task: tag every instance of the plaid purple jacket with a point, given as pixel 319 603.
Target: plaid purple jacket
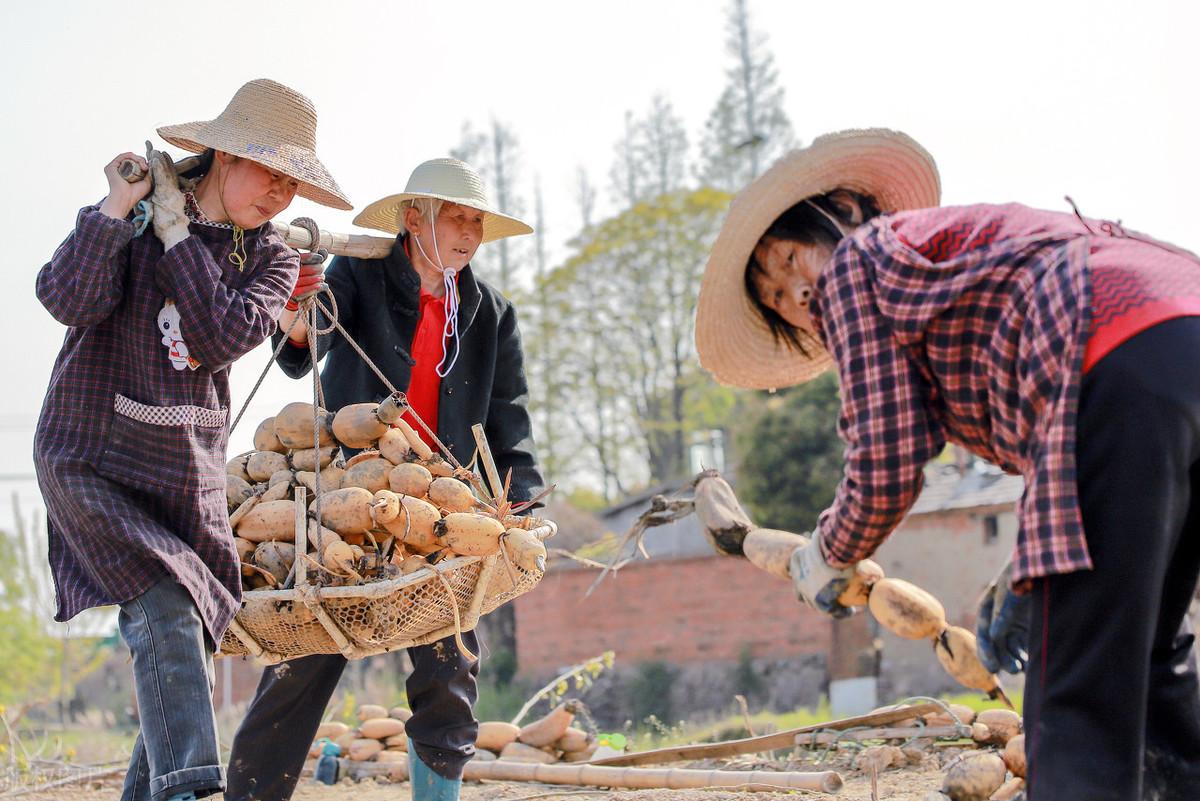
pixel 966 325
pixel 130 445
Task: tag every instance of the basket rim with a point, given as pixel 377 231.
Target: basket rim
pixel 379 587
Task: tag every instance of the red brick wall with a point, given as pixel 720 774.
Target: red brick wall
pixel 684 610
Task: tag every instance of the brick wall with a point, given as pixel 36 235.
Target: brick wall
pixel 681 611
pixel 950 555
pixel 702 612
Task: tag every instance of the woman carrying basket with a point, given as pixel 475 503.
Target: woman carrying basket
pixel 451 342
pixel 1060 348
pixel 130 446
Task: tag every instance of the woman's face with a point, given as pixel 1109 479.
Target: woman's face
pixel 789 272
pixel 252 194
pixel 458 235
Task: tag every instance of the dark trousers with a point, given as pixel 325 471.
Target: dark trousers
pixel 1112 703
pixel 270 746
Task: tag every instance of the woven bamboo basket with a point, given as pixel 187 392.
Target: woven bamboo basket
pixel 363 620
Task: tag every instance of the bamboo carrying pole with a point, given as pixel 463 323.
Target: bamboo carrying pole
pixel 826 781
pixel 359 245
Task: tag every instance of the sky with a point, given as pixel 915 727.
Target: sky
pixel 1024 101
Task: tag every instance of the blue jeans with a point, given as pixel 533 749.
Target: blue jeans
pixel 176 750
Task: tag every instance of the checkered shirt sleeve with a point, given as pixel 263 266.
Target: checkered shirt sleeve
pixel 884 421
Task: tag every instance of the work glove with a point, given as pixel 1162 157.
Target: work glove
pixel 169 218
pixel 310 280
pixel 818 584
pixel 1002 629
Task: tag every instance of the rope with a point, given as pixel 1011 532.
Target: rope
pixel 145 213
pixel 458 640
pixel 309 306
pixel 262 376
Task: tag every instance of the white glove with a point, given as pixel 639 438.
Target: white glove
pixel 170 220
pixel 818 584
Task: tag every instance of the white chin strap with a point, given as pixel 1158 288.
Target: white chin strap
pixel 450 330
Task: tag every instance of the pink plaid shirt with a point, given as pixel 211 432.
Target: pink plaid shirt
pixel 965 325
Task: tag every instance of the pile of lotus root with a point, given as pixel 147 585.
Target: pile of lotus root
pixel 390 510
pixel 380 737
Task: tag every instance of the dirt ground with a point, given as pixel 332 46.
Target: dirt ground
pixel 908 784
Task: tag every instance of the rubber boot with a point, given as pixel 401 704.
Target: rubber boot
pixel 427 785
pixel 188 796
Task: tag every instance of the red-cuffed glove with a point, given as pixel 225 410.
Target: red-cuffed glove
pixel 309 281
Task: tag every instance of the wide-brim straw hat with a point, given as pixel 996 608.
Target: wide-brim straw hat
pixel 449 180
pixel 272 125
pixel 732 339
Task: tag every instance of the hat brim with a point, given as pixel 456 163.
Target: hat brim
pixel 384 215
pixel 733 341
pixel 316 182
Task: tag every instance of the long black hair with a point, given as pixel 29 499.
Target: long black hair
pixel 807 225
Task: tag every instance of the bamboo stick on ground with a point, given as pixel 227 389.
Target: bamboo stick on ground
pixel 826 781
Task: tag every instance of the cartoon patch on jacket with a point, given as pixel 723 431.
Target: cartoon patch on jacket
pixel 170 327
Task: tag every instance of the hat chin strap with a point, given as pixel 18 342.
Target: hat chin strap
pixel 450 330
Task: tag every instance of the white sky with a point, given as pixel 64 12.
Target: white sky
pixel 1017 101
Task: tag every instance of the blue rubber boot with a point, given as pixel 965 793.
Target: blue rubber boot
pixel 427 785
pixel 189 796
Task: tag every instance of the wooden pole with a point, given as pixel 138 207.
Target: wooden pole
pixel 485 459
pixel 826 781
pixel 359 245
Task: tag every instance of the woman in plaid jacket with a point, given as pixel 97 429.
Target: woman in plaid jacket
pixel 1059 348
pixel 130 445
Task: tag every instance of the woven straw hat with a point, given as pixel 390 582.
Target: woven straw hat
pixel 272 125
pixel 733 341
pixel 443 179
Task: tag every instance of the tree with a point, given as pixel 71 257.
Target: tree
pixel 41 662
pixel 545 352
pixel 631 286
pixel 748 128
pixel 651 155
pixel 791 456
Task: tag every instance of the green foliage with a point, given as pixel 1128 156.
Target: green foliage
pixel 630 289
pixel 502 666
pixel 650 691
pixel 499 701
pixel 791 456
pixel 587 499
pixel 577 680
pixel 37 665
pixel 348 714
pixel 980 702
pixel 746 679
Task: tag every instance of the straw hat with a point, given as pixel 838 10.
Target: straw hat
pixel 443 179
pixel 272 125
pixel 733 341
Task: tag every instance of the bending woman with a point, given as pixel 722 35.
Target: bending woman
pixel 1057 347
